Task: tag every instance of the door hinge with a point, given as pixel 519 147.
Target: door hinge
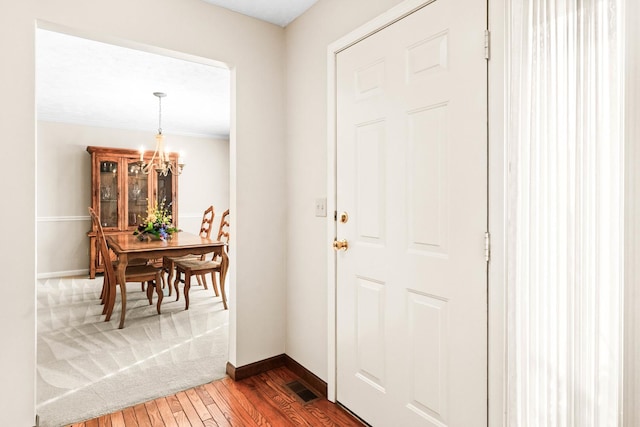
pixel 487 44
pixel 487 246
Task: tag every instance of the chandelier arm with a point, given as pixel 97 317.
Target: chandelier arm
pixel 147 167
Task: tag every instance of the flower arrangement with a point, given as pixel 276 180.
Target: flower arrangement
pixel 157 223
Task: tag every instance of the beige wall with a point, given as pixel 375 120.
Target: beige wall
pixel 255 51
pixel 307 40
pixel 64 186
pixel 279 292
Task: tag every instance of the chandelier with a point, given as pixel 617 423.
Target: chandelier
pixel 161 160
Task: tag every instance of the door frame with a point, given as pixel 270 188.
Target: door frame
pixel 496 280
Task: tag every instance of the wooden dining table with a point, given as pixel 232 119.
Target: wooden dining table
pixel 128 247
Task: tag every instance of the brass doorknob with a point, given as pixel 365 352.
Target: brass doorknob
pixel 340 245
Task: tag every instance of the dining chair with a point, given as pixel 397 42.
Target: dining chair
pixel 168 263
pixel 202 267
pixel 97 226
pixel 134 273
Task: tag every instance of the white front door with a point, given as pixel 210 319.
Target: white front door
pixel 412 177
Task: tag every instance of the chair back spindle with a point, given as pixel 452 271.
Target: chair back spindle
pixel 207 222
pixel 109 272
pixel 223 231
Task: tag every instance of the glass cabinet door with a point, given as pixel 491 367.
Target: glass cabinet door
pixel 137 194
pixel 165 191
pixel 109 193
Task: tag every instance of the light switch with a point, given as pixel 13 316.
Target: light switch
pixel 321 206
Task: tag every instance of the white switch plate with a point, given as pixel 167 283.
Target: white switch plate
pixel 321 206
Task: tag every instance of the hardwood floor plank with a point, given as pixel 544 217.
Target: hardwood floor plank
pixel 282 400
pixel 218 416
pixel 279 403
pixel 232 411
pixel 263 400
pixel 117 420
pixel 174 404
pixel 279 384
pixel 200 407
pixel 189 410
pixel 154 414
pixel 288 400
pixel 204 396
pixel 227 387
pixel 165 412
pixel 104 421
pixel 181 419
pixel 141 415
pixel 272 415
pixel 341 417
pixel 129 417
pixel 322 418
pixel 321 408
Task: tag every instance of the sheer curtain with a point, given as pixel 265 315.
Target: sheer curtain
pixel 565 102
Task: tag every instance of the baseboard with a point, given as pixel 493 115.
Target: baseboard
pixel 67 273
pixel 67 218
pixel 255 368
pixel 308 377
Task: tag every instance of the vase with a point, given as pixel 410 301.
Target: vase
pixel 146 237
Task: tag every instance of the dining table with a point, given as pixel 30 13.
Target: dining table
pixel 128 247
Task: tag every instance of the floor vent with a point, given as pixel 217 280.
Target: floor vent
pixel 302 391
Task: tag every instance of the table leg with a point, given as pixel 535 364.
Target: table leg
pixel 120 274
pixel 106 288
pixel 160 291
pixel 150 289
pixel 111 297
pixel 187 286
pixel 175 285
pixel 170 270
pixel 224 265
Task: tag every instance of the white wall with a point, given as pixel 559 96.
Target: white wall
pixel 17 216
pixel 307 39
pixel 631 369
pixel 64 187
pixel 255 51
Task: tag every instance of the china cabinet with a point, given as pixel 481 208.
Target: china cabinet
pixel 121 193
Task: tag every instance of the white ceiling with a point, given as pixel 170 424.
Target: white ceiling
pixel 279 12
pixel 92 83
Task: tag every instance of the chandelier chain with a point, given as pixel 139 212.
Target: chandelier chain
pixel 160 114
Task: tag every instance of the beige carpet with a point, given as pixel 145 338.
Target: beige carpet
pixel 87 367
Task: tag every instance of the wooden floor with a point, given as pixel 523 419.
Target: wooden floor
pixel 261 400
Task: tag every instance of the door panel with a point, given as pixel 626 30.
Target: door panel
pixel 426 161
pixel 370 181
pixel 370 333
pixel 411 173
pixel 428 355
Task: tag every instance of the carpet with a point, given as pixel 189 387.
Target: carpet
pixel 87 367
